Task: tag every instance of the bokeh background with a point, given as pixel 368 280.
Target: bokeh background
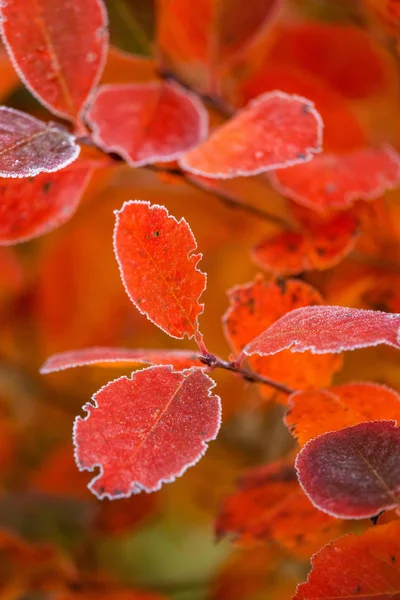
pixel 62 291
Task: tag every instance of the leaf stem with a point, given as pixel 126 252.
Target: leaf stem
pixel 214 362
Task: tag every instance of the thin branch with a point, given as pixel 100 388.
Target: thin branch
pixel 224 197
pixel 214 362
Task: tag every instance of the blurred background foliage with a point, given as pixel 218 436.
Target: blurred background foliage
pixel 63 291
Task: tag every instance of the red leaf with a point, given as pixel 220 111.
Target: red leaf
pixel 273 131
pixel 147 430
pixel 179 359
pixel 334 181
pixel 353 473
pixel 29 146
pixel 320 245
pixel 269 505
pixel 314 413
pixel 58 49
pixel 31 207
pixel 149 122
pixel 327 329
pixel 158 268
pixel 362 567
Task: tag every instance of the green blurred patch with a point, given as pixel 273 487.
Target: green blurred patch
pixel 132 25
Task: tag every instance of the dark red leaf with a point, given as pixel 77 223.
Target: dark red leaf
pixel 158 268
pixel 149 122
pixel 33 206
pixel 58 49
pixel 362 567
pixel 336 181
pixel 353 473
pixel 327 329
pixel 180 359
pixel 273 131
pixel 29 146
pixel 147 430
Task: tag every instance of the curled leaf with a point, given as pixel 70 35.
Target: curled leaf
pixel 58 49
pixel 336 181
pixel 324 329
pixel 158 268
pixel 353 473
pixel 273 131
pixel 180 359
pixel 29 146
pixel 149 122
pixel 147 430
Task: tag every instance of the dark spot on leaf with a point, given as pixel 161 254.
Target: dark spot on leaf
pixel 46 187
pixel 281 283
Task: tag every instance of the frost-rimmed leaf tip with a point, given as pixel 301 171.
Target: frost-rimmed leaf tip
pixel 29 146
pixel 150 122
pixel 274 131
pixel 323 329
pixel 353 473
pixel 158 267
pixel 58 49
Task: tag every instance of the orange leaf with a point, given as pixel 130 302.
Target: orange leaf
pixel 158 268
pixel 122 67
pixel 259 304
pixel 320 245
pixel 269 505
pixel 356 566
pixel 313 413
pixel 273 131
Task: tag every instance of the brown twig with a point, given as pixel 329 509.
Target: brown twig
pixel 214 362
pixel 225 197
